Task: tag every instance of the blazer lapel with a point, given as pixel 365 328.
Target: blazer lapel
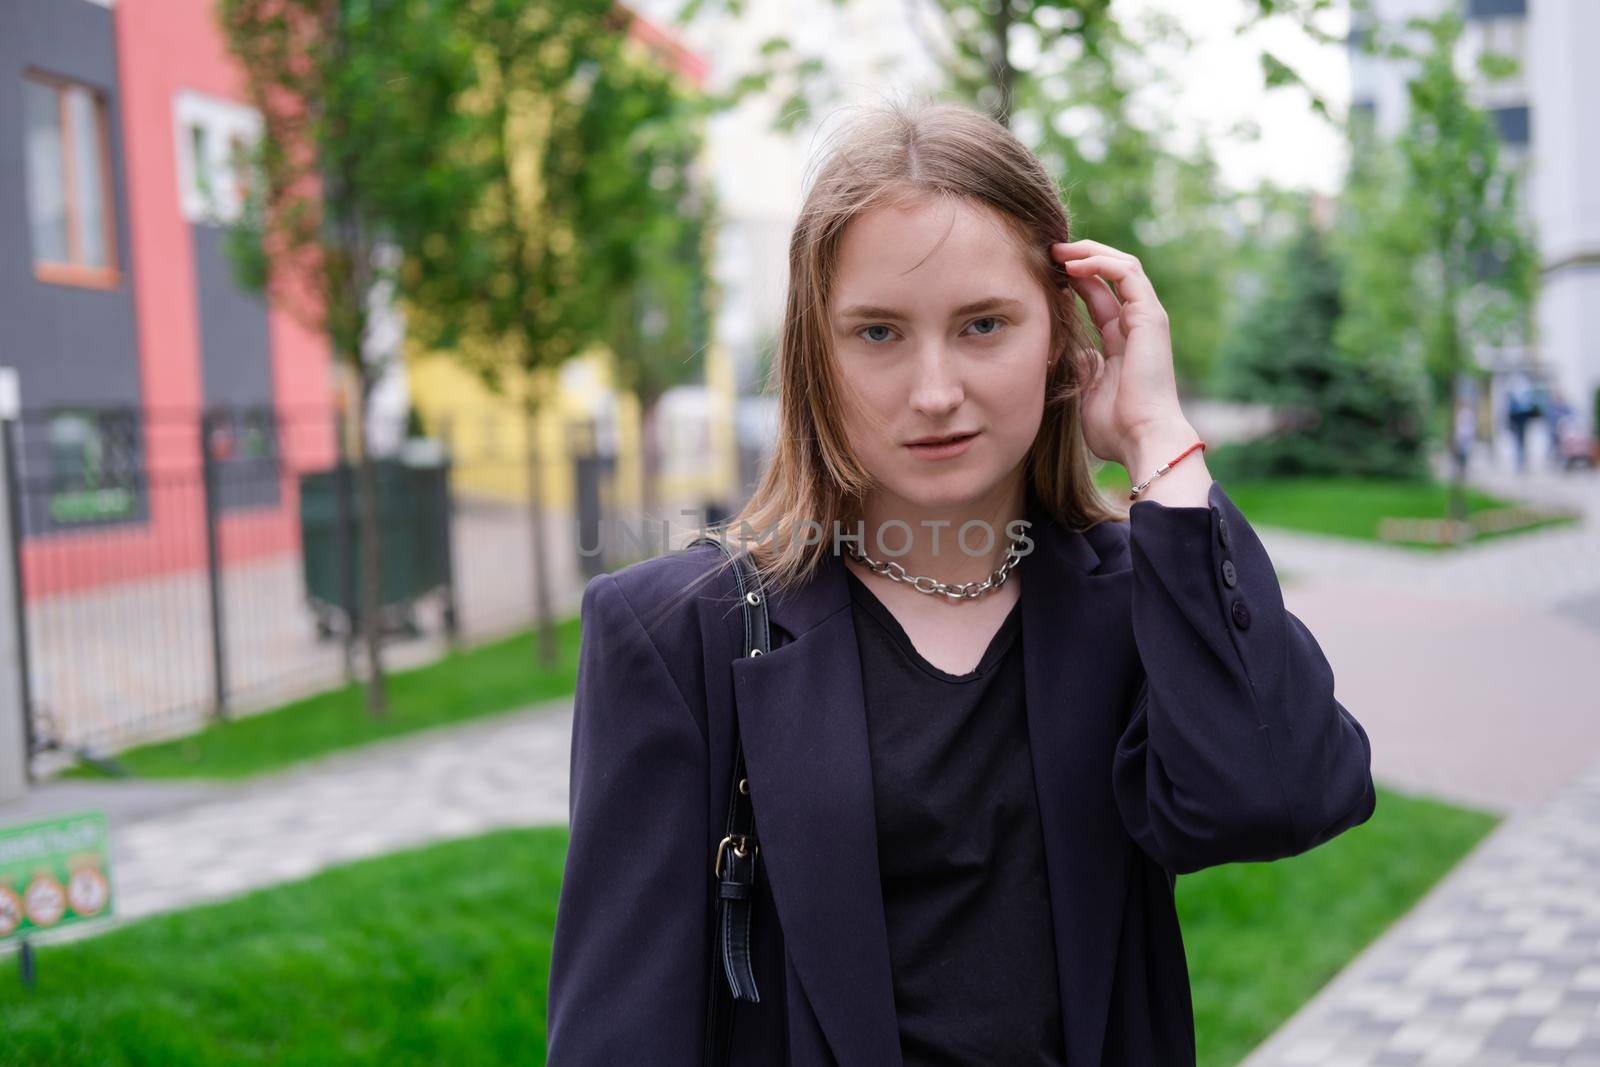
pixel 1074 637
pixel 803 725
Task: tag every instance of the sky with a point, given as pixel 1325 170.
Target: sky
pixel 1212 88
pixel 1219 83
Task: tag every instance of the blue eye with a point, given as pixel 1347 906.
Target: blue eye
pixel 999 325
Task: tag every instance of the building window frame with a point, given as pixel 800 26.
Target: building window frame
pixel 1492 9
pixel 216 144
pixel 76 270
pixel 90 456
pixel 1513 124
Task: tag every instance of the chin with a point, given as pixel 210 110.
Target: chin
pixel 942 491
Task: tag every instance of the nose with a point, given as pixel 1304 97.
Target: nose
pixel 937 390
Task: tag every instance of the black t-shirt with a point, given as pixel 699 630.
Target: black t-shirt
pixel 960 850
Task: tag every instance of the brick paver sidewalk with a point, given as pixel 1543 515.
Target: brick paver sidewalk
pixel 173 846
pixel 1499 966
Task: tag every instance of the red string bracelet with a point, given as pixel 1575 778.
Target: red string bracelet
pixel 1142 486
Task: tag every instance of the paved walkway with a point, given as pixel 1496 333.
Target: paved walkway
pixel 188 844
pixel 1482 702
pixel 1474 675
pixel 1556 568
pixel 1467 668
pixel 1499 966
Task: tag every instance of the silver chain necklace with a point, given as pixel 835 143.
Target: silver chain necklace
pixel 924 584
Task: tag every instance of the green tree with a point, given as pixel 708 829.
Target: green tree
pixel 1338 414
pixel 578 225
pixel 1076 106
pixel 1377 243
pixel 339 164
pixel 1459 267
pixel 647 217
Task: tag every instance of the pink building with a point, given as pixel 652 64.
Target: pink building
pixel 125 319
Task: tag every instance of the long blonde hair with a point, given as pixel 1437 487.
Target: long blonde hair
pixel 892 154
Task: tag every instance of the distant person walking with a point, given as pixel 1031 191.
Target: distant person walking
pixel 1521 406
pixel 1558 421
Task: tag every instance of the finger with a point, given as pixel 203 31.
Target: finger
pixel 1099 363
pixel 1084 245
pixel 1114 344
pixel 1104 307
pixel 1106 314
pixel 1132 285
pixel 1070 252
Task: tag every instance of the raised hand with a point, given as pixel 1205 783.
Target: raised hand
pixel 1131 409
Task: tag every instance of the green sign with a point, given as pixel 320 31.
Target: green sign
pixel 53 873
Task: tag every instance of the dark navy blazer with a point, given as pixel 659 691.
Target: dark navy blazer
pixel 1179 717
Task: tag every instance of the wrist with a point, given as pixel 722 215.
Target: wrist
pixel 1151 448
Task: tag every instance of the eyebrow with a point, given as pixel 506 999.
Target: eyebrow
pixel 871 311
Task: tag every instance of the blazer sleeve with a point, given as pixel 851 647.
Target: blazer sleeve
pixel 1236 748
pixel 629 954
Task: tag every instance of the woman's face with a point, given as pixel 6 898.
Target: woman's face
pixel 938 341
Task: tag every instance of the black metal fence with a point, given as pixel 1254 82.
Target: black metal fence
pixel 178 566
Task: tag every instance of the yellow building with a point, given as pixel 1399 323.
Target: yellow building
pixel 488 433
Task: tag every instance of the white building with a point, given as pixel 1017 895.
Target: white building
pixel 1546 120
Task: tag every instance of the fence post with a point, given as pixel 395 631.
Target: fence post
pixel 587 471
pixel 16 722
pixel 219 656
pixel 452 613
pixel 344 550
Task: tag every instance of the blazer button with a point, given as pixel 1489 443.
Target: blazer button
pixel 1241 615
pixel 1229 574
pixel 1222 530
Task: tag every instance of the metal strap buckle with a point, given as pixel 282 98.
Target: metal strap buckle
pixel 739 848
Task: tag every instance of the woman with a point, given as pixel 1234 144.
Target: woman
pixel 970 809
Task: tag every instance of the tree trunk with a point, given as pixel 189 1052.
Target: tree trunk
pixel 1452 348
pixel 546 637
pixel 371 539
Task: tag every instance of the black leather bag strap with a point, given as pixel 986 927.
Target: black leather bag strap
pixel 734 864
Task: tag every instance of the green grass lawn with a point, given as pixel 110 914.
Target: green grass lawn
pixel 441 955
pixel 434 956
pixel 1261 938
pixel 1345 507
pixel 482 680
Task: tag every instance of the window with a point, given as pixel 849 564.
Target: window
pixel 1508 37
pixel 1487 9
pixel 91 455
pixel 215 138
pixel 70 217
pixel 204 184
pixel 242 444
pixel 242 435
pixel 1512 122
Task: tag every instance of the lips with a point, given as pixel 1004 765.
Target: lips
pixel 944 449
pixel 950 439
